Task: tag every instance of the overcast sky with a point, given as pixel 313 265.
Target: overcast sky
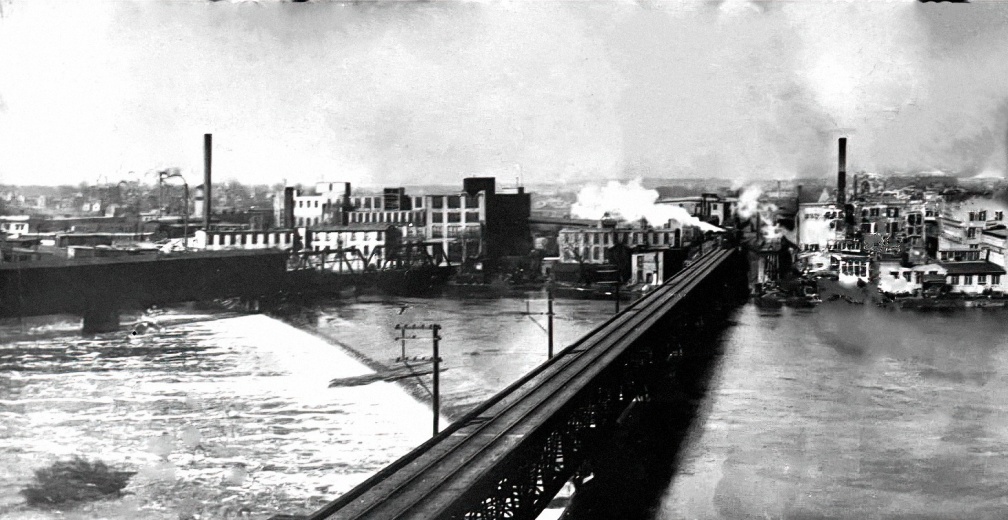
pixel 409 93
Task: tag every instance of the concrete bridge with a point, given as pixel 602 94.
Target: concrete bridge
pixel 511 455
pixel 99 288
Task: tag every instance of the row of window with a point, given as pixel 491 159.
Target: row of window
pixel 960 256
pixel 967 279
pixel 301 204
pixel 235 239
pixel 454 201
pixel 455 216
pixel 981 279
pixel 307 221
pixel 376 202
pixel 329 236
pixel 390 217
pixel 633 238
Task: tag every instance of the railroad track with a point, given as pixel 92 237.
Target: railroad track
pixel 427 482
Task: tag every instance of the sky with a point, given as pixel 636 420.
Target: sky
pixel 405 93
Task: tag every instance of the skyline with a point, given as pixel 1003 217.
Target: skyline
pixel 392 93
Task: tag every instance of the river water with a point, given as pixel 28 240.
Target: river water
pixel 850 412
pixel 844 411
pixel 223 415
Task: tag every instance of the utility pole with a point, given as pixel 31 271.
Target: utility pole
pixel 549 320
pixel 436 360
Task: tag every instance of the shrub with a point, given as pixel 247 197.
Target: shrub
pixel 75 480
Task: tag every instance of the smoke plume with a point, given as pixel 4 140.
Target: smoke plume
pixel 631 201
pixel 750 206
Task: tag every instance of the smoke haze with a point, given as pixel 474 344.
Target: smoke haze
pixel 407 93
pixel 631 201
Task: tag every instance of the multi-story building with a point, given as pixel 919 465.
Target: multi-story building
pixel 590 245
pixel 962 224
pixel 222 239
pixel 819 226
pixel 323 207
pixel 708 207
pixel 479 221
pixel 372 241
pixel 392 207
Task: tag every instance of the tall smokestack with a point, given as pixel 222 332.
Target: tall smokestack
pixel 841 196
pixel 797 216
pixel 207 151
pixel 288 218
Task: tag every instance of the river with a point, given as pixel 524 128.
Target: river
pixel 850 411
pixel 844 411
pixel 223 415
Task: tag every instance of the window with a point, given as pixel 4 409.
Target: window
pixel 874 212
pixel 437 202
pixel 967 279
pixel 954 279
pixel 971 232
pixel 437 217
pixel 454 202
pixel 417 202
pixel 995 279
pixel 906 275
pixel 378 236
pixel 595 238
pixel 255 238
pixel 982 279
pixel 243 238
pixel 316 203
pixel 300 203
pixel 998 215
pixel 454 216
pixel 472 216
pixel 894 274
pixel 918 277
pixel 365 250
pixel 472 202
pixel 982 215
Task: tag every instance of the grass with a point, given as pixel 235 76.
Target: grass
pixel 73 481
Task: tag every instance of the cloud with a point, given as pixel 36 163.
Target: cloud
pixel 406 93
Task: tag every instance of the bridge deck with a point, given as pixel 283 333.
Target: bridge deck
pixel 444 475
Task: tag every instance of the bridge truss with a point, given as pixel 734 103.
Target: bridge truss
pixel 508 457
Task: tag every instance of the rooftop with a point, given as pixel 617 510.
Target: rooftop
pixel 982 267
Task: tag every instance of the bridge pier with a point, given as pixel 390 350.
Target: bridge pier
pixel 98 320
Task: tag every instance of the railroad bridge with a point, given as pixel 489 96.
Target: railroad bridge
pixel 509 456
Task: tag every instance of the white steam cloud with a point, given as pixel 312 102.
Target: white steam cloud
pixel 631 201
pixel 750 206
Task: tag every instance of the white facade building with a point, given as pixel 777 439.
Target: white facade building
pixel 223 240
pixel 590 244
pixel 371 240
pixel 14 225
pixel 318 208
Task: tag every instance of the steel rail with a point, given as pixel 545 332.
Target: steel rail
pixel 561 376
pixel 554 398
pixel 475 413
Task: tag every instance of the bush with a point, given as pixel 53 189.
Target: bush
pixel 76 480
